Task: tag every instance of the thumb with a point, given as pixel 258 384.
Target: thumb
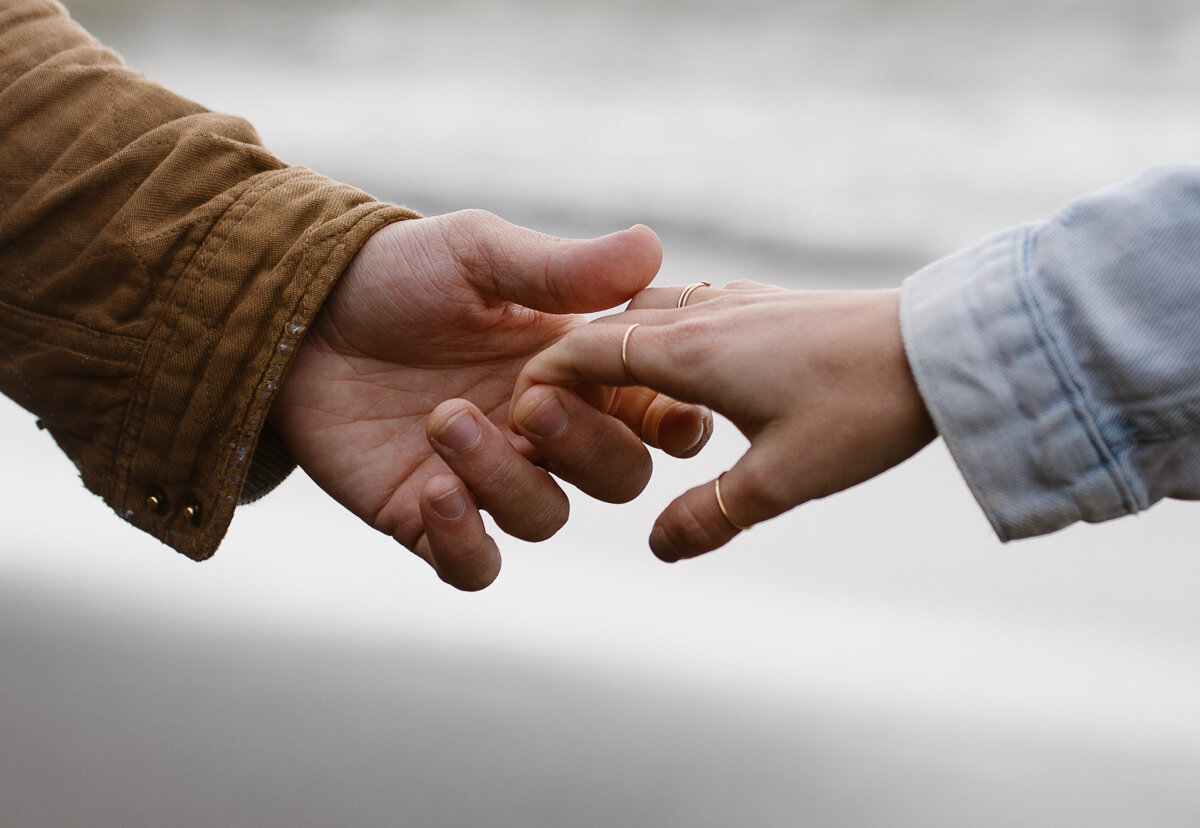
pixel 552 274
pixel 709 516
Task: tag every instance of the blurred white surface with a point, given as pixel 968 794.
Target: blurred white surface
pixel 874 659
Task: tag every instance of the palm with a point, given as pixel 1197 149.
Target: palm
pixel 424 314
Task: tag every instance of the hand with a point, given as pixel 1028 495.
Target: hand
pixel 397 401
pixel 818 382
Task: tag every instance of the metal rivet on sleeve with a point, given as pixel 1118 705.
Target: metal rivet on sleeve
pixel 156 499
pixel 194 512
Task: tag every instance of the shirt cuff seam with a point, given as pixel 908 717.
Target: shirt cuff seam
pixel 1075 389
pixel 995 389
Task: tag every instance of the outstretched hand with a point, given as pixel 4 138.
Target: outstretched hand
pixel 817 381
pixel 397 402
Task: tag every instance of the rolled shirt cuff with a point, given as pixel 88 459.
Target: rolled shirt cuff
pixel 1015 420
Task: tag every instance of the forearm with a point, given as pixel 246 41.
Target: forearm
pixel 1061 362
pixel 157 266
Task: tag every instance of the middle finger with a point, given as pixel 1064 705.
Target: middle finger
pixel 523 499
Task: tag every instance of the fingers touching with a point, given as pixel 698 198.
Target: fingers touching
pixel 598 447
pixel 608 352
pixel 522 498
pixel 486 472
pixel 681 296
pixel 817 381
pixel 596 452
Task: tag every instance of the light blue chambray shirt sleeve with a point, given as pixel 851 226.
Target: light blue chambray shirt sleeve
pixel 1061 360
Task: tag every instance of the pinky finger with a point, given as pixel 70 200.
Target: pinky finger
pixel 455 542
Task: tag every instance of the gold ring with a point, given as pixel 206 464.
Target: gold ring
pixel 724 511
pixel 625 354
pixel 689 290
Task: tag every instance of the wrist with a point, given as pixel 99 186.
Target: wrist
pixel 911 407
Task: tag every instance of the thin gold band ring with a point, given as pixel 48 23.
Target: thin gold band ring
pixel 724 511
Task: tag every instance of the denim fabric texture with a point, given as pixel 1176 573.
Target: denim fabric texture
pixel 1061 360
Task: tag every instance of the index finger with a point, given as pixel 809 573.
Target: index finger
pixel 656 349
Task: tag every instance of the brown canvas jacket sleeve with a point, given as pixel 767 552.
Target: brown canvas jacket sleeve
pixel 157 269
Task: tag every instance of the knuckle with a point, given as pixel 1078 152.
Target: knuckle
pixel 752 489
pixel 479 215
pixel 472 236
pixel 695 341
pixel 627 471
pixel 523 500
pixel 496 481
pixel 760 493
pixel 532 514
pixel 472 220
pixel 691 532
pixel 545 524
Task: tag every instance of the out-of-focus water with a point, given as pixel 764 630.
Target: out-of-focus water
pixel 817 141
pixel 873 659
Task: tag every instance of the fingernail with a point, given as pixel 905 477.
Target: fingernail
pixel 461 433
pixel 548 420
pixel 702 433
pixel 450 506
pixel 661 546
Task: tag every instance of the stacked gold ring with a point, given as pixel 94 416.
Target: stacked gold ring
pixel 689 290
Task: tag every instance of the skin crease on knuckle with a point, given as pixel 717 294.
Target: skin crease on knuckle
pixel 566 293
pixel 542 506
pixel 626 466
pixel 472 236
pixel 598 453
pixel 692 346
pixel 542 516
pixel 498 476
pixel 686 530
pixel 456 555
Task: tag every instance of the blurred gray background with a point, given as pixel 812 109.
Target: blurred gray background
pixel 874 659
